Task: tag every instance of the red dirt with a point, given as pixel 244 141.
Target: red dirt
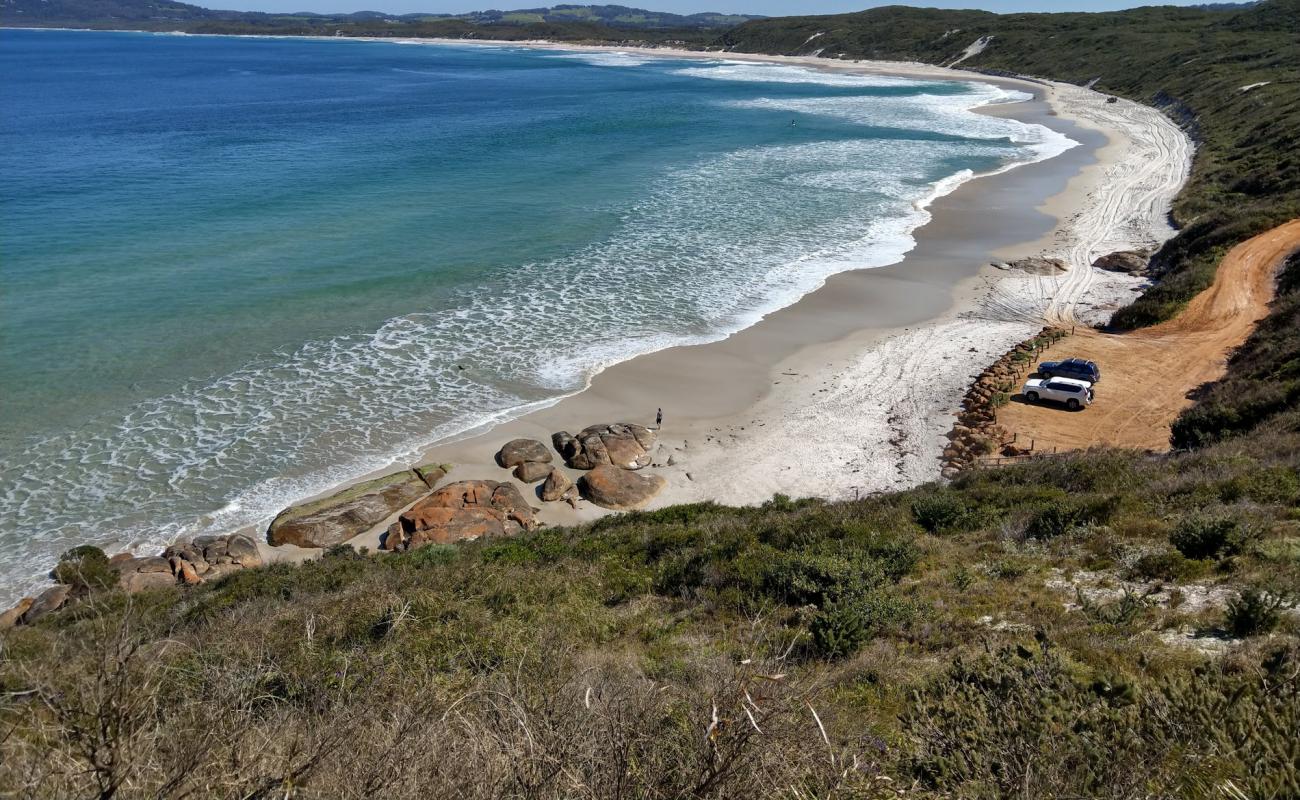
pixel 1148 374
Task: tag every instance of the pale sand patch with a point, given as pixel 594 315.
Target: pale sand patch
pixel 851 390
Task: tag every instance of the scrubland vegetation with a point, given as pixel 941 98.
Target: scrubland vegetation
pixel 1109 624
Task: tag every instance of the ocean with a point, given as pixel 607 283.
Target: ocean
pixel 237 271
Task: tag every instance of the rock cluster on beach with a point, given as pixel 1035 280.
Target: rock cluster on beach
pixel 461 511
pixel 188 562
pixel 335 519
pixel 610 455
pixel 622 444
pixel 529 459
pixel 977 433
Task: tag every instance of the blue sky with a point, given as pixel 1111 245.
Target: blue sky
pixel 768 7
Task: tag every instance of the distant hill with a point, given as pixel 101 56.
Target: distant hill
pixel 155 14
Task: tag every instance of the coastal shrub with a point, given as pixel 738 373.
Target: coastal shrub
pixel 1064 516
pixel 1253 612
pixel 820 579
pixel 1268 484
pixel 1167 565
pixel 86 568
pixel 1200 536
pixel 842 627
pixel 940 511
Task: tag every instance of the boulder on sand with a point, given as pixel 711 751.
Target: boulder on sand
pixel 532 471
pixel 351 512
pixel 134 582
pixel 10 618
pixel 50 600
pixel 463 510
pixel 519 451
pixel 1129 261
pixel 619 490
pixel 622 444
pixel 557 483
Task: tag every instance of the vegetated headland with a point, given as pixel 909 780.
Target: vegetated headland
pixel 1106 622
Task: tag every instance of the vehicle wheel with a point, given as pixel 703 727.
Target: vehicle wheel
pixel 1047 375
pixel 1072 404
pixel 1031 397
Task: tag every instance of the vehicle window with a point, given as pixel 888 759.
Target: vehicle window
pixel 1063 387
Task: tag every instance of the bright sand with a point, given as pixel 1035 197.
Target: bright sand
pixel 852 389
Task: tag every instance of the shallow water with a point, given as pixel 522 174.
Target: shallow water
pixel 238 271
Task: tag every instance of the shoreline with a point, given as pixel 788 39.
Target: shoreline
pixel 857 381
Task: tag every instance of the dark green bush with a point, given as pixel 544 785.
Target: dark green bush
pixel 940 511
pixel 838 631
pixel 842 627
pixel 1167 565
pixel 85 567
pixel 1253 612
pixel 820 579
pixel 1200 537
pixel 1062 517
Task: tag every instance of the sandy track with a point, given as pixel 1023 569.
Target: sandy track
pixel 1147 375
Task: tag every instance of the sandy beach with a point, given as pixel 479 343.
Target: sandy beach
pixel 852 389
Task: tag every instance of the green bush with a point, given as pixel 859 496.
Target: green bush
pixel 838 631
pixel 821 579
pixel 841 628
pixel 85 567
pixel 1063 517
pixel 1167 565
pixel 1253 612
pixel 940 511
pixel 1200 537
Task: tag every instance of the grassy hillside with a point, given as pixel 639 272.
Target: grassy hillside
pixel 1023 632
pixel 605 23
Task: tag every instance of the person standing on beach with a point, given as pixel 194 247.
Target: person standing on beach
pixel 659 419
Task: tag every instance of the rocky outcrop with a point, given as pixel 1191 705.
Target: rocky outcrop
pixel 1035 265
pixel 353 511
pixel 619 490
pixel 977 432
pixel 532 471
pixel 520 451
pixel 623 445
pixel 557 485
pixel 1129 261
pixel 11 617
pixel 48 601
pixel 188 562
pixel 530 459
pixel 460 511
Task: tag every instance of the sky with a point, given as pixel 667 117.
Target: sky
pixel 773 8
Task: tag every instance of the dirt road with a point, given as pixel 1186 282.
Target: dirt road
pixel 1148 374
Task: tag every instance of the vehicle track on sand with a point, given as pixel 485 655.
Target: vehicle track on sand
pixel 1148 374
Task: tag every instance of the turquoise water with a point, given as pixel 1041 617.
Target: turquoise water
pixel 237 271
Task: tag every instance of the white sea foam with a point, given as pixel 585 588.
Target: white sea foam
pixel 613 58
pixel 752 72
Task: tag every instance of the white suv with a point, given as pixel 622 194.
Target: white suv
pixel 1074 393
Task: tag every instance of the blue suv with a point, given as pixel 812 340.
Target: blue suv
pixel 1077 368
